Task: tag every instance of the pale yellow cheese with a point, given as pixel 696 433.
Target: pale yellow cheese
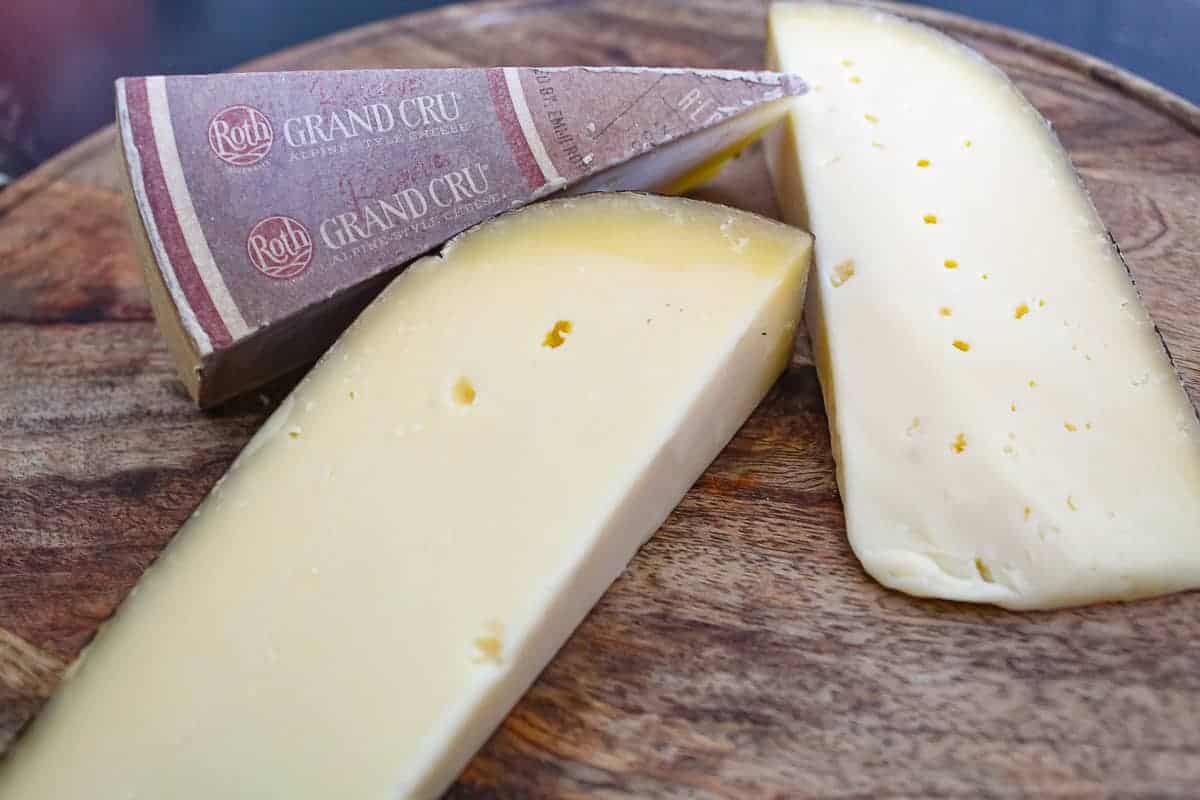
pixel 422 523
pixel 1006 424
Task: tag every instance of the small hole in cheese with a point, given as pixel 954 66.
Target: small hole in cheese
pixel 489 648
pixel 985 572
pixel 463 392
pixel 557 335
pixel 959 445
pixel 842 273
pixel 294 433
pixel 1021 310
pixel 930 219
pixel 959 344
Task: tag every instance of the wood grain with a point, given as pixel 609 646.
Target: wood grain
pixel 743 653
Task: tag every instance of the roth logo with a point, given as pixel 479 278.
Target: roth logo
pixel 279 247
pixel 240 135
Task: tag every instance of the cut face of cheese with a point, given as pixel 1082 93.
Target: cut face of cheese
pixel 1006 424
pixel 418 528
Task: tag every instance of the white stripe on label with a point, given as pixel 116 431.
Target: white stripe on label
pixel 166 268
pixel 181 198
pixel 512 77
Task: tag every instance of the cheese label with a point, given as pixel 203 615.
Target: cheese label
pixel 264 193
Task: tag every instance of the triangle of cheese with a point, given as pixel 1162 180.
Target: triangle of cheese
pixel 422 523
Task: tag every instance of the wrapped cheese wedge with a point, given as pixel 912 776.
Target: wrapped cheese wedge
pixel 1007 425
pixel 271 207
pixel 422 523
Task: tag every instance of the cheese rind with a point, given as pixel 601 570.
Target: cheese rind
pixel 269 208
pixel 424 520
pixel 1006 424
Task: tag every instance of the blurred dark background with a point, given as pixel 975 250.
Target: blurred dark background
pixel 58 58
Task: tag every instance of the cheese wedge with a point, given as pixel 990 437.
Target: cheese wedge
pixel 417 529
pixel 1006 424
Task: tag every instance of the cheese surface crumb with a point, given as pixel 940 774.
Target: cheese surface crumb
pixel 842 273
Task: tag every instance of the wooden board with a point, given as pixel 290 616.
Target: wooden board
pixel 743 653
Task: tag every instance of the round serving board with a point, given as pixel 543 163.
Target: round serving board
pixel 743 653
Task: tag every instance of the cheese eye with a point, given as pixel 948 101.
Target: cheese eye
pixel 557 335
pixel 463 392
